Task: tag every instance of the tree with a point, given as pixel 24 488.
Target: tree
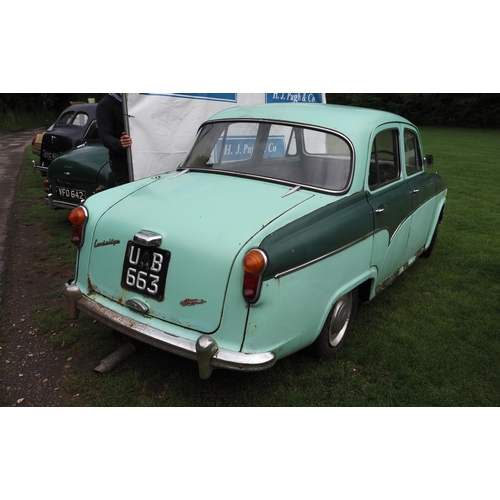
pixel 461 110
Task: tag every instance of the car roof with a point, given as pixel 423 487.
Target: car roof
pixel 77 108
pixel 348 120
pixel 82 106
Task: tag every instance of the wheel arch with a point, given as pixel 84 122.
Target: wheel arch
pixel 438 218
pixel 365 285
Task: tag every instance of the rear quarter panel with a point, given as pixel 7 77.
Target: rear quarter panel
pixel 313 261
pixel 293 308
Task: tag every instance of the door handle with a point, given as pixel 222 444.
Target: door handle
pixel 380 209
pixel 416 191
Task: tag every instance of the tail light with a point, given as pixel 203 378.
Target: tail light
pixel 254 265
pixel 46 183
pixel 78 217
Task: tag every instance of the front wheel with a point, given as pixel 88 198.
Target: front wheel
pixel 337 327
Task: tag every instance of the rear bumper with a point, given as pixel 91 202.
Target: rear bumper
pixel 53 203
pixel 205 350
pixel 40 168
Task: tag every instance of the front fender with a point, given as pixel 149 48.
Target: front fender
pixel 438 216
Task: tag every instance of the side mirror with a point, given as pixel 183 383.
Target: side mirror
pixel 429 161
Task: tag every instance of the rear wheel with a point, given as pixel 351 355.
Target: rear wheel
pixel 337 327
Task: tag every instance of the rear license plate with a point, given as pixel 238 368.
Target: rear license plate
pixel 145 270
pixel 49 156
pixel 72 194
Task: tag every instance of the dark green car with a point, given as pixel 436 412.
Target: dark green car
pixel 78 174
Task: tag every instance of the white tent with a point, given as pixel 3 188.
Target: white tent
pixel 163 126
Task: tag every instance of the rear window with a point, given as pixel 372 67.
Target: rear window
pixel 282 152
pixel 72 118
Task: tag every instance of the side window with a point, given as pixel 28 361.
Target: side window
pixel 66 118
pixel 81 119
pixel 413 155
pixel 385 165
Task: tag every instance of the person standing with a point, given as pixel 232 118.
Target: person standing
pixel 112 132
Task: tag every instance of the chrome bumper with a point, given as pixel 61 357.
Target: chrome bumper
pixel 53 204
pixel 205 350
pixel 40 168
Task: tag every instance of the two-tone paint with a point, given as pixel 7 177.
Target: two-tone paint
pixel 319 246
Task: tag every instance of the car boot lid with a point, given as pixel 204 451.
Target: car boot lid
pixel 189 223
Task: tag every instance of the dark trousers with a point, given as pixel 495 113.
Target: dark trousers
pixel 120 169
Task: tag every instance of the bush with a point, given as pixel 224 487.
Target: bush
pixel 459 110
pixel 23 111
pixel 20 111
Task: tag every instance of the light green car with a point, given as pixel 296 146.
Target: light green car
pixel 282 219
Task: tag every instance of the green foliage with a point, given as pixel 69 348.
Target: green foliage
pixel 23 111
pixel 20 111
pixel 23 102
pixel 459 110
pixel 37 102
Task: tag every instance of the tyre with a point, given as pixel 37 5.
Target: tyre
pixel 338 325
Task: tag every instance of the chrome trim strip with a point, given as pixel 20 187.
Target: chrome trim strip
pixel 261 274
pixel 40 168
pixel 53 204
pixel 323 257
pixel 205 350
pixel 391 237
pixel 320 128
pixel 282 182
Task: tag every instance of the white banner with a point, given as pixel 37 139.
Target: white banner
pixel 163 127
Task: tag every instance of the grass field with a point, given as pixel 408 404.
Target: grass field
pixel 431 339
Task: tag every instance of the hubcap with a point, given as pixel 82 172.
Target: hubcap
pixel 340 319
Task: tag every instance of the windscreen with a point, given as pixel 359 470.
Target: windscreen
pixel 282 152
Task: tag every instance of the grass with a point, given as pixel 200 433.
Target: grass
pixel 11 121
pixel 431 339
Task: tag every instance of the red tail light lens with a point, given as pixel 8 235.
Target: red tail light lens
pixel 78 217
pixel 254 265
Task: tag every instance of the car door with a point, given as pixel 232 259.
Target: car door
pixel 392 201
pixel 423 188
